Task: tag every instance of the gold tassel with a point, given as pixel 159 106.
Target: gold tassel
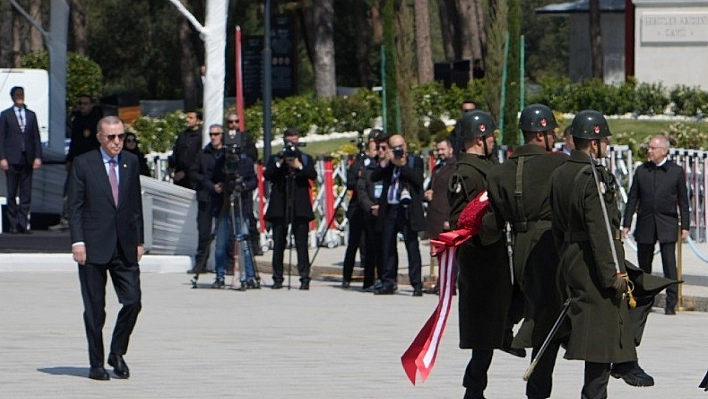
pixel 630 289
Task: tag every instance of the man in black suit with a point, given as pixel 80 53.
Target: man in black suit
pixel 290 172
pixel 659 195
pixel 400 209
pixel 106 226
pixel 186 149
pixel 20 154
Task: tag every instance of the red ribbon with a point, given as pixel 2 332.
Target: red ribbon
pixel 421 354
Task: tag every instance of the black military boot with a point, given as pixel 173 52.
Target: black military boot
pixel 632 374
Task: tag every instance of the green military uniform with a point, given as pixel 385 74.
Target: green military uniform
pixel 484 278
pixel 528 210
pixel 601 331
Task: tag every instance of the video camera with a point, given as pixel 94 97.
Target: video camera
pixel 232 158
pixel 361 143
pixel 290 150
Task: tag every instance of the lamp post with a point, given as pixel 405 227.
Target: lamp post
pixel 267 84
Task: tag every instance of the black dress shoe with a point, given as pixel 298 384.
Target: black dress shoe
pixel 13 230
pixel 345 284
pixel 277 285
pixel 218 283
pixel 305 285
pixel 632 374
pixel 24 231
pixel 119 366
pixel 385 290
pixel 418 291
pixel 99 373
pixel 670 312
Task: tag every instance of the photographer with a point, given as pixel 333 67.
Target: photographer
pixel 355 214
pixel 400 209
pixel 232 173
pixel 290 172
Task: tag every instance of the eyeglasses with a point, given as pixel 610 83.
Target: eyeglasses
pixel 381 148
pixel 233 120
pixel 214 134
pixel 111 137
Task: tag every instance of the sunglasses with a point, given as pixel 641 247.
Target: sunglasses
pixel 214 134
pixel 381 148
pixel 111 137
pixel 233 120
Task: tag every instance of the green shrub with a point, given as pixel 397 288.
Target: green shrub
pixel 159 134
pixel 689 101
pixel 83 76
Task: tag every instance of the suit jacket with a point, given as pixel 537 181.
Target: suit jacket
pixel 439 207
pixel 354 172
pixel 93 216
pixel 302 203
pixel 12 137
pixel 411 177
pixel 657 195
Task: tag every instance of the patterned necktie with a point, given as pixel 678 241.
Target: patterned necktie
pixel 113 178
pixel 22 120
pixel 393 189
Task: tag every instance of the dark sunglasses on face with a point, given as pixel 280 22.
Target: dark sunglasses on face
pixel 111 137
pixel 233 120
pixel 382 148
pixel 214 134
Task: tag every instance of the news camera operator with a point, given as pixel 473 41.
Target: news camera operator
pixel 400 209
pixel 231 179
pixel 290 172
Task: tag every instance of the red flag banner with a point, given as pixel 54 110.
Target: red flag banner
pixel 421 354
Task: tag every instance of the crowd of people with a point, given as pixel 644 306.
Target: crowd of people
pixel 549 248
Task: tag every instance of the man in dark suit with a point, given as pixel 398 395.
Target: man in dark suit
pixel 658 194
pixel 186 149
pixel 20 154
pixel 400 209
pixel 106 226
pixel 290 173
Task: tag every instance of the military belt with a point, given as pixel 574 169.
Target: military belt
pixel 522 227
pixel 577 236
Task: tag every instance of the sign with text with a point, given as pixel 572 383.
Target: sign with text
pixel 283 62
pixel 674 27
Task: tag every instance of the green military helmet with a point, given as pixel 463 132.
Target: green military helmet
pixel 537 118
pixel 477 123
pixel 590 125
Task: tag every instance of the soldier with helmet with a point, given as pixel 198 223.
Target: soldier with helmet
pixel 484 283
pixel 586 227
pixel 518 193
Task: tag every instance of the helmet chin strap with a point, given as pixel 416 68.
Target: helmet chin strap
pixel 545 139
pixel 599 150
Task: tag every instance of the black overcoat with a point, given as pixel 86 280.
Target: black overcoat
pixel 484 276
pixel 657 195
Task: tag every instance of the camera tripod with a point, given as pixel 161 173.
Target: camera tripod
pixel 241 243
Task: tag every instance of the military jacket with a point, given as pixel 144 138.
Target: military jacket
pixel 484 278
pixel 601 331
pixel 518 193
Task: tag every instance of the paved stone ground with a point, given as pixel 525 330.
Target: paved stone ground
pixel 325 343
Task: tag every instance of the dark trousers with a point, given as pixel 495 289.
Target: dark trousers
pixel 397 220
pixel 597 375
pixel 126 281
pixel 645 256
pixel 204 224
pixel 19 183
pixel 300 228
pixel 475 379
pixel 540 383
pixel 373 262
pixel 355 242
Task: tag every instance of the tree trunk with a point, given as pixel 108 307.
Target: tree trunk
pixel 496 32
pixel 78 39
pixel 185 64
pixel 449 24
pixel 405 75
pixel 16 39
pixel 377 29
pixel 596 40
pixel 481 23
pixel 423 42
pixel 363 44
pixel 6 30
pixel 319 30
pixel 36 39
pixel 469 30
pixel 389 42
